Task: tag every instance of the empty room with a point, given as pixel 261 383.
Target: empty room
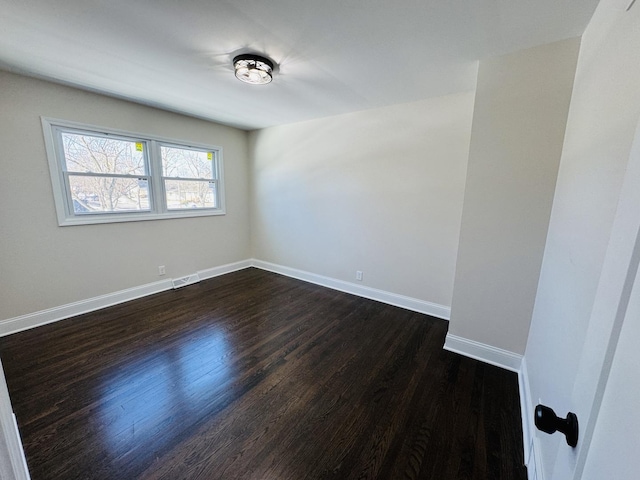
pixel 335 240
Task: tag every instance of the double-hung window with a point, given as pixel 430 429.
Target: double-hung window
pixel 102 175
pixel 189 177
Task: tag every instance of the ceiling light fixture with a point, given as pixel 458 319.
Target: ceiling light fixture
pixel 253 69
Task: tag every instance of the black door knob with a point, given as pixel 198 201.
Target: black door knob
pixel 547 421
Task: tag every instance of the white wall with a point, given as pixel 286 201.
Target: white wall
pixel 616 443
pixel 378 191
pixel 12 461
pixel 521 106
pixel 570 318
pixel 43 265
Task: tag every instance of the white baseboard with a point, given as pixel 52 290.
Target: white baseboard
pixel 21 470
pixel 36 319
pixel 532 457
pixel 525 410
pixel 469 348
pixel 516 363
pixel 409 303
pixel 224 269
pixel 16 468
pixel 483 352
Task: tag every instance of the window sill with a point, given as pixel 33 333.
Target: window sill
pixel 95 219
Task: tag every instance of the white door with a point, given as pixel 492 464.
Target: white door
pixel 615 444
pixel 577 351
pixel 13 465
pixel 613 312
pixel 572 367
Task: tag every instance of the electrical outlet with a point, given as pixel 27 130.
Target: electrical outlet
pixel 359 275
pixel 161 270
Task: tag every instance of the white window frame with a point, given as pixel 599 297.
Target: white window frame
pixel 52 129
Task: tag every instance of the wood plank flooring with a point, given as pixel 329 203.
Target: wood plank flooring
pixel 253 375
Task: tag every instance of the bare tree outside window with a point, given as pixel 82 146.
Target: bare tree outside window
pixel 106 174
pixel 188 178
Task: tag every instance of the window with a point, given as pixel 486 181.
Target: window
pixel 102 175
pixel 189 178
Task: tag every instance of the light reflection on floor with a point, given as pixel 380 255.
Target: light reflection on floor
pixel 136 402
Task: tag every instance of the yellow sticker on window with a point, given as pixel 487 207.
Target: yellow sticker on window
pixel 209 155
pixel 138 146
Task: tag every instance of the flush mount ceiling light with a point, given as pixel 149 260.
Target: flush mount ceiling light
pixel 253 69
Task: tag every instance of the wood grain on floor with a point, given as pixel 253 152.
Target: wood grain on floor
pixel 253 375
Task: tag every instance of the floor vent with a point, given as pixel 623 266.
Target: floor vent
pixel 184 281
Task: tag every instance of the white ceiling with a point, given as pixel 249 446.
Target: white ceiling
pixel 334 56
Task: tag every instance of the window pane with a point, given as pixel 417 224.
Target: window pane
pixel 108 194
pixel 184 163
pixel 89 154
pixel 182 194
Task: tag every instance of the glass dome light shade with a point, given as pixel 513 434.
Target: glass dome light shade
pixel 253 69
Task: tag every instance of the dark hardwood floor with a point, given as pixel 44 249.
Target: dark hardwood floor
pixel 253 375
